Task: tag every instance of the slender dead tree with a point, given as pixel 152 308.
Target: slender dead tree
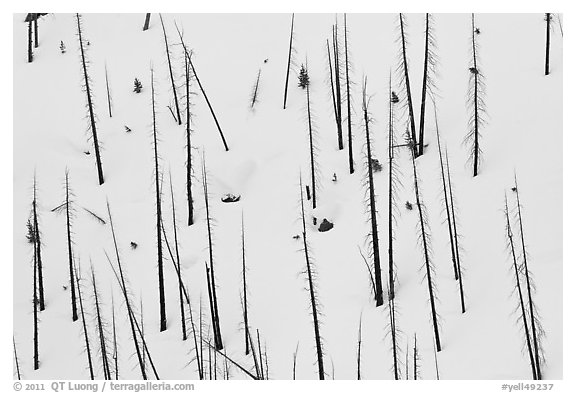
pixel 394 331
pixel 158 211
pixel 84 328
pixel 189 160
pixel 196 343
pixel 36 16
pixel 30 53
pixel 260 354
pixel 348 102
pixel 254 356
pixel 424 240
pixel 16 359
pixel 402 71
pixel 535 324
pixel 127 301
pixel 337 79
pixel 69 216
pixel 416 358
pixel 38 246
pixel 201 334
pixel 189 56
pixel 455 228
pixel 86 87
pixel 547 65
pixel 100 328
pixel 108 95
pixel 35 306
pixel 393 185
pixel 171 73
pixel 289 66
pixel 359 351
pixel 311 274
pixel 369 185
pixel 114 340
pixel 212 284
pixel 475 103
pixel 428 83
pixel 333 95
pixel 178 270
pixel 142 327
pixel 445 199
pixel 146 22
pixel 294 358
pixel 244 292
pixel 512 252
pixel 254 95
pixel 436 361
pixel 311 142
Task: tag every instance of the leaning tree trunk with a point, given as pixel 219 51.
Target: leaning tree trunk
pixel 312 291
pixel 289 61
pixel 379 297
pixel 146 22
pixel 84 328
pixel 203 92
pixel 512 251
pixel 171 73
pixel 90 105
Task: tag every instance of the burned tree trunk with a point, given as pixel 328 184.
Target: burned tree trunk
pixel 69 214
pixel 348 102
pixel 100 329
pixel 35 305
pixel 406 80
pixel 212 284
pixel 30 53
pixel 90 105
pixel 178 270
pixel 429 71
pixel 16 359
pixel 289 61
pixel 127 301
pixel 203 92
pixel 424 237
pixel 446 201
pixel 108 96
pixel 547 65
pixel 189 198
pixel 84 328
pixel 310 274
pixel 534 321
pixel 379 297
pixel 171 73
pixel 512 251
pixel 392 190
pixel 38 247
pixel 158 213
pixel 456 245
pixel 337 79
pixel 146 22
pixel 244 294
pixel 36 30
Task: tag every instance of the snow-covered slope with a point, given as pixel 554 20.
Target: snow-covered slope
pixel 268 149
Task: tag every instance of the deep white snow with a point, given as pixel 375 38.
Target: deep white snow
pixel 268 149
